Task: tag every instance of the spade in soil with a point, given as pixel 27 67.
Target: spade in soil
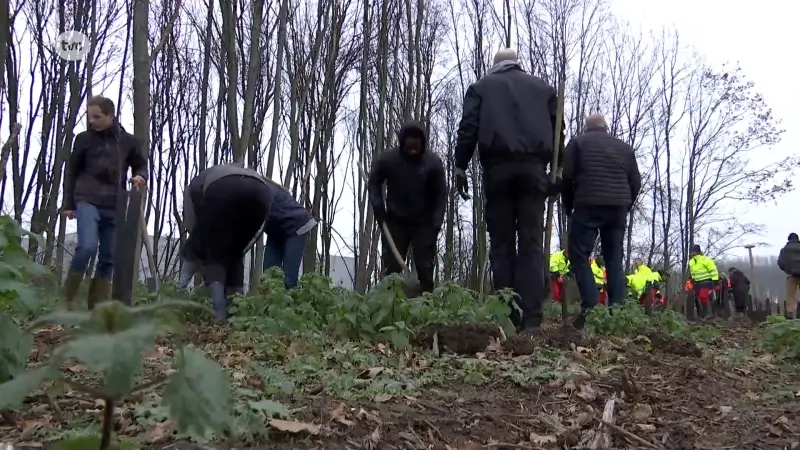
pixel 411 285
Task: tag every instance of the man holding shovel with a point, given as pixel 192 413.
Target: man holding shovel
pixel 416 198
pixel 510 116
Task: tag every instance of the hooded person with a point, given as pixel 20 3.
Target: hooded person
pixel 509 116
pixel 226 207
pixel 95 179
pixel 416 199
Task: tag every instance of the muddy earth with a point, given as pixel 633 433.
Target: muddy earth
pixel 653 391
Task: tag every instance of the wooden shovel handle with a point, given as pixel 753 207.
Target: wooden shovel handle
pixel 388 236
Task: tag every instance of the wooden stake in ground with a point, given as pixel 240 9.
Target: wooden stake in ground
pixel 554 172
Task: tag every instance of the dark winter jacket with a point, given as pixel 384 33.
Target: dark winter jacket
pixel 740 284
pixel 599 170
pixel 416 188
pixel 789 259
pixel 510 115
pixel 97 169
pixel 195 193
pixel 287 216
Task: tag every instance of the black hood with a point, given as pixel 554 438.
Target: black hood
pixel 409 128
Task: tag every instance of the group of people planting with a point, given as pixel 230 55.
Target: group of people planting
pixel 706 287
pixel 514 121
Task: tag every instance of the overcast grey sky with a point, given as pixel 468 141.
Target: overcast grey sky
pixel 757 35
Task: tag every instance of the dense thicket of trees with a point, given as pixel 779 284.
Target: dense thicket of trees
pixel 308 92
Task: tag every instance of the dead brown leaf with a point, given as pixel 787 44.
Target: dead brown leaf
pixel 339 414
pixel 382 398
pixel 372 372
pixel 641 412
pixel 161 430
pixel 294 426
pixel 587 393
pixel 538 439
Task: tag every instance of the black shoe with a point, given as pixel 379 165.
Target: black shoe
pixel 579 323
pixel 531 325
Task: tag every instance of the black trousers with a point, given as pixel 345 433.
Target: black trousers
pixel 740 297
pixel 586 223
pixel 422 239
pixel 515 204
pixel 232 213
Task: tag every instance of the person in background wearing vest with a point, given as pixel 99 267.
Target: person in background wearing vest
pixel 226 207
pixel 653 281
pixel 705 277
pixel 95 177
pixel 287 231
pixel 598 266
pixel 559 268
pixel 789 263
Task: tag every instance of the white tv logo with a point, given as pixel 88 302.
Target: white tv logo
pixel 72 45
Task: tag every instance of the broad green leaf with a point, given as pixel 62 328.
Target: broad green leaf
pixel 199 395
pixel 66 318
pixel 270 408
pixel 9 270
pixel 117 355
pixel 80 443
pixel 399 338
pixel 170 304
pixel 13 392
pixel 15 346
pixel 26 295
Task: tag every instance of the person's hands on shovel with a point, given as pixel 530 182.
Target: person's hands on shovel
pixel 379 211
pixel 138 182
pixel 462 184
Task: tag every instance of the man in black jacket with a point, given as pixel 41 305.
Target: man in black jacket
pixel 510 116
pixel 789 262
pixel 96 174
pixel 740 288
pixel 416 199
pixel 600 183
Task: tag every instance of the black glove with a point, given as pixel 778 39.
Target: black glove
pixel 379 211
pixel 462 183
pixel 554 189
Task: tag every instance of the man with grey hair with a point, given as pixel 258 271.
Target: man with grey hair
pixel 600 183
pixel 510 116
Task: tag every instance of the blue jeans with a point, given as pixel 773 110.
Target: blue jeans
pixel 610 222
pixel 286 253
pixel 96 227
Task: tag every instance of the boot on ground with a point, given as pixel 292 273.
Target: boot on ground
pixel 71 285
pixel 99 291
pixel 219 300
